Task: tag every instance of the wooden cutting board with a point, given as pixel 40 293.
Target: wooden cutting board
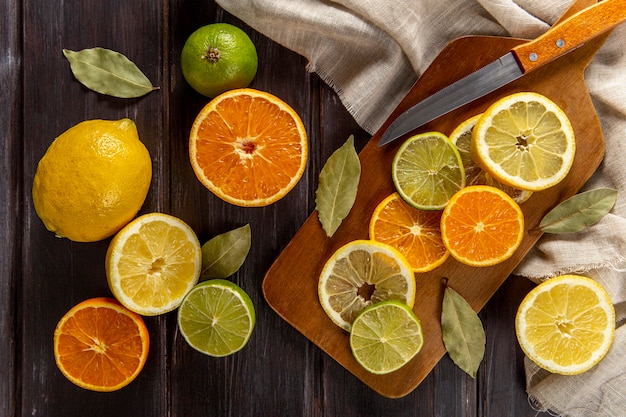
pixel 290 285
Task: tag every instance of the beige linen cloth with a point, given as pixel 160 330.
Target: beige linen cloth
pixel 372 51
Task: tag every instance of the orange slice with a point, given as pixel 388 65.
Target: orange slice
pixel 524 140
pixel 248 147
pixel 482 225
pixel 100 345
pixel 415 233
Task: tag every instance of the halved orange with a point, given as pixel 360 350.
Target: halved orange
pixel 482 225
pixel 248 147
pixel 415 233
pixel 100 345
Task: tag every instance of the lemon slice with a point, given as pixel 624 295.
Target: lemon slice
pixel 524 141
pixel 217 318
pixel 427 170
pixel 566 324
pixel 152 263
pixel 361 273
pixel 385 337
pixel 461 136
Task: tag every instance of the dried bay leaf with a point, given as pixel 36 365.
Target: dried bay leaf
pixel 579 211
pixel 224 254
pixel 108 72
pixel 463 333
pixel 337 188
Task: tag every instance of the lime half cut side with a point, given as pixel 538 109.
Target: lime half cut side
pixel 385 337
pixel 427 170
pixel 217 318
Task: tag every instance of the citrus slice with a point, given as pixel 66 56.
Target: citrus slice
pixel 100 345
pixel 415 233
pixel 248 147
pixel 482 226
pixel 361 273
pixel 152 263
pixel 461 136
pixel 566 324
pixel 525 141
pixel 385 336
pixel 217 317
pixel 427 170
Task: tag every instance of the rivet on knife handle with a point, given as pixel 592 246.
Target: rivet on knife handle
pixel 571 33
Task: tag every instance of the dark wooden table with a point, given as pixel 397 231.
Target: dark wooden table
pixel 279 373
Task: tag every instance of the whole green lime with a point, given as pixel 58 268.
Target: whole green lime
pixel 217 58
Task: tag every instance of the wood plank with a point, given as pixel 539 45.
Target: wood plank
pixel 10 199
pixel 501 376
pixel 57 273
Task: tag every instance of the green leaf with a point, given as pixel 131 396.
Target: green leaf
pixel 108 72
pixel 463 333
pixel 338 184
pixel 223 255
pixel 579 211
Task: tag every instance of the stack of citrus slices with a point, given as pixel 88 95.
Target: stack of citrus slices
pixel 477 178
pixel 368 289
pixel 456 196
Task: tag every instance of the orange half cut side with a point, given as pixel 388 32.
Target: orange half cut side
pixel 100 345
pixel 248 147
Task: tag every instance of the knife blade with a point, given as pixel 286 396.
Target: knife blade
pixel 559 40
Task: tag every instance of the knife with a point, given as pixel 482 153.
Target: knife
pixel 562 38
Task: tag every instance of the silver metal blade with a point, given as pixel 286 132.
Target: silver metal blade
pixel 478 84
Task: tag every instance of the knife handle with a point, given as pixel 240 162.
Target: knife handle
pixel 571 33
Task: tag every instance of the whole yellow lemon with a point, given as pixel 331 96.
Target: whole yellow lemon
pixel 92 180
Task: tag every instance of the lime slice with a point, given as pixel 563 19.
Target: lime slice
pixel 385 337
pixel 216 318
pixel 427 170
